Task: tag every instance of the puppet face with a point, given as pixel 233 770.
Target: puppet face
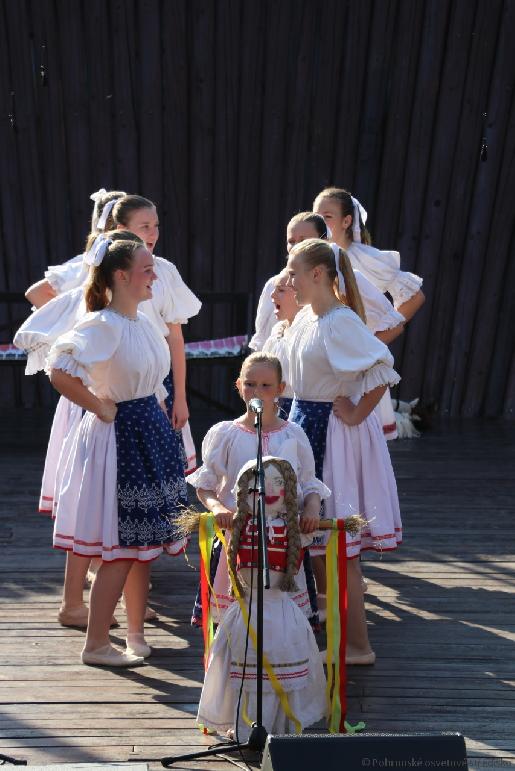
pixel 274 493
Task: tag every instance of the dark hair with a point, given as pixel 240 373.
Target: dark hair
pixel 344 199
pixel 125 207
pixel 314 252
pixel 98 208
pixel 314 219
pixel 119 256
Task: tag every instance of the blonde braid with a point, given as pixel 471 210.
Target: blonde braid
pixel 238 526
pixel 288 583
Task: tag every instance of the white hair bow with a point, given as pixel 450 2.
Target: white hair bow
pixel 359 210
pixel 336 254
pixel 98 195
pixel 105 214
pixel 97 251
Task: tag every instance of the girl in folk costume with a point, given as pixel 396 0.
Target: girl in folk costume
pixel 228 445
pixel 289 643
pixel 171 305
pixel 123 483
pixel 347 219
pixel 174 303
pixel 285 310
pixel 53 318
pixel 381 318
pixel 339 371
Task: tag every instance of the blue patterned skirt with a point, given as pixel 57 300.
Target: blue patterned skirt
pixel 168 384
pixel 151 488
pixel 313 417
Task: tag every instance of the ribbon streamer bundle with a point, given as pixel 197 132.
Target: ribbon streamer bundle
pixel 336 566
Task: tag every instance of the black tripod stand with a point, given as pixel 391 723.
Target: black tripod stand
pixel 258 734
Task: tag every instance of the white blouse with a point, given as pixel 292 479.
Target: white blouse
pixel 277 345
pixel 380 313
pixel 383 269
pixel 114 356
pixel 227 446
pixel 38 333
pixel 69 275
pixel 336 355
pixel 172 301
pixel 265 318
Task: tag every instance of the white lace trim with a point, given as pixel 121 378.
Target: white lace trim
pixel 159 495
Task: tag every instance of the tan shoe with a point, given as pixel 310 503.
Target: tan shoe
pixel 150 614
pixel 74 617
pixel 361 660
pixel 137 646
pixel 109 656
pixel 77 618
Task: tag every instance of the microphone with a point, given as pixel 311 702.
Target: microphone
pixel 256 405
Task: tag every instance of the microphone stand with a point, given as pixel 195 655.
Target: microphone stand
pixel 258 735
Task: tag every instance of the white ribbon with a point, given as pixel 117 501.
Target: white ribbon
pixel 96 253
pixel 336 254
pixel 98 195
pixel 105 214
pixel 359 210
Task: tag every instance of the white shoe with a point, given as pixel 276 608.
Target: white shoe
pixel 136 646
pixel 108 656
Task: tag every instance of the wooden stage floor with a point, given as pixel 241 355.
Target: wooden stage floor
pixel 441 613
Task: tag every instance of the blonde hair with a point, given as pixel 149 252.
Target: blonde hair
pixel 280 276
pixel 243 511
pixel 119 256
pixel 260 357
pixel 314 252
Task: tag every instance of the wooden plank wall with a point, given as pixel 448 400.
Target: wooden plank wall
pixel 233 114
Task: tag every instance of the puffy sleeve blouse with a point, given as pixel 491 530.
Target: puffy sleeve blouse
pixel 114 356
pixel 227 446
pixel 383 269
pixel 69 275
pixel 335 354
pixel 380 313
pixel 42 328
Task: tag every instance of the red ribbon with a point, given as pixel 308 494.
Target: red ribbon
pixel 342 601
pixel 204 598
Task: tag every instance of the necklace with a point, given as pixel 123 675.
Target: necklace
pixel 123 315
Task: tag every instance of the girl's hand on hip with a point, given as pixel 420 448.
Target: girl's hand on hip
pixel 107 410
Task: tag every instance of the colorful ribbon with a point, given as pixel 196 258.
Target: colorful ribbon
pixel 206 536
pixel 336 627
pixel 276 685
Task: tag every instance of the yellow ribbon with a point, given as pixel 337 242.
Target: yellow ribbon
pixel 333 633
pixel 276 685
